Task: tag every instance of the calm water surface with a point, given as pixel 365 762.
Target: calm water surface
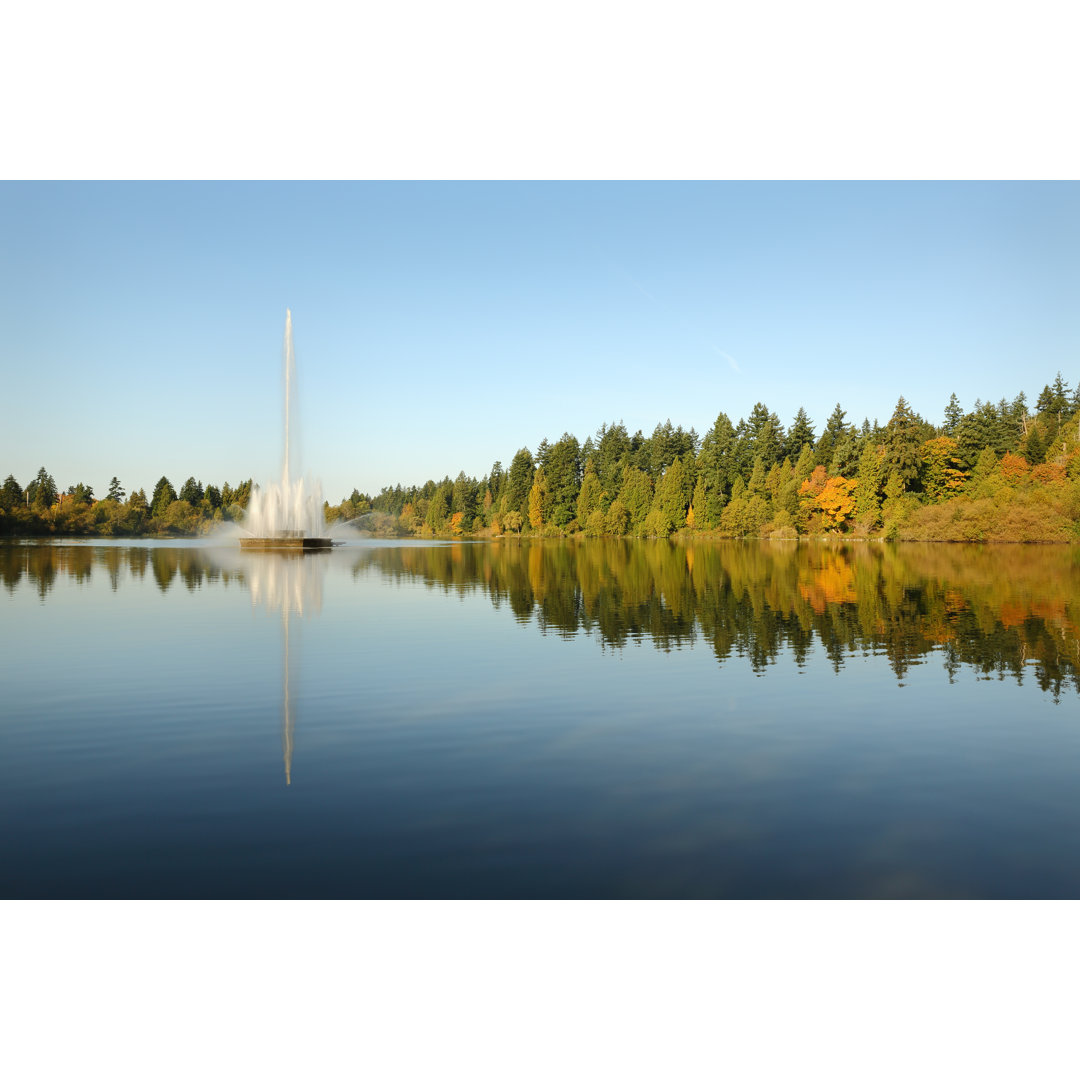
pixel 614 719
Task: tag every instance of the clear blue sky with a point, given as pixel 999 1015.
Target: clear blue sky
pixel 441 326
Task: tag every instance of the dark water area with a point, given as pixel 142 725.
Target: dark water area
pixel 548 720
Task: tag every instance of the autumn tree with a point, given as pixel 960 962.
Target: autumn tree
pixel 835 501
pixel 940 468
pixel 537 495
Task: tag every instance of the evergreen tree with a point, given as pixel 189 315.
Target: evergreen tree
pixel 41 491
pixel 1035 446
pixel 953 415
pixel 80 494
pixel 835 430
pixel 116 492
pixel 762 436
pixel 590 497
pixel 870 478
pixel 192 491
pixel 519 481
pixel 465 498
pixel 672 499
pixel 563 475
pixel 496 478
pixel 164 496
pixel 902 444
pixel 800 434
pixel 11 494
pixel 613 449
pixel 438 508
pixel 845 459
pixel 636 495
pixel 716 471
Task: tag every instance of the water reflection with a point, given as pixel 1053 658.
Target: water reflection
pixel 1004 611
pixel 286 583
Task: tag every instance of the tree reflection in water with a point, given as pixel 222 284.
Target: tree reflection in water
pixel 1002 610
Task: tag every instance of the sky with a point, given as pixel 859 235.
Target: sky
pixel 441 326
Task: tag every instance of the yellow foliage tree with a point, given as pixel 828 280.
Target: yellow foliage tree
pixel 836 501
pixel 942 474
pixel 536 498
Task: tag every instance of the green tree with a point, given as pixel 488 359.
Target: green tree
pixel 636 495
pixel 902 444
pixel 562 471
pixel 953 415
pixel 800 434
pixel 870 479
pixel 439 508
pixel 835 430
pixel 672 499
pixel 845 459
pixel 41 491
pixel 11 494
pixel 716 472
pixel 164 496
pixel 116 492
pixel 519 481
pixel 80 494
pixel 590 498
pixel 465 499
pixel 191 492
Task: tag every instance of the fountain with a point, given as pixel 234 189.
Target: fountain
pixel 287 515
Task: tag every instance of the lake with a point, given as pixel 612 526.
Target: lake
pixel 540 719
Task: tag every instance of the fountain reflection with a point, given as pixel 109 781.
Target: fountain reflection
pixel 290 584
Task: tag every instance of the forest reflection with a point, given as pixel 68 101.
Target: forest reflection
pixel 1005 611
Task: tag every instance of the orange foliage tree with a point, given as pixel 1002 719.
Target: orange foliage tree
pixel 1013 467
pixel 836 501
pixel 832 496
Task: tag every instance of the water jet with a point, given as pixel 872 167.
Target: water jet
pixel 287 515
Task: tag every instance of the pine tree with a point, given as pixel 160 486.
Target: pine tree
pixel 164 496
pixel 41 491
pixel 800 434
pixel 953 415
pixel 11 494
pixel 902 444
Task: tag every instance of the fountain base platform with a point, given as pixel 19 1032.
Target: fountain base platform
pixel 285 541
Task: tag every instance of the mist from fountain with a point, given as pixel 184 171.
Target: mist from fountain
pixel 289 507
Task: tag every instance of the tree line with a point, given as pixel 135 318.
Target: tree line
pixel 41 508
pixel 1000 471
